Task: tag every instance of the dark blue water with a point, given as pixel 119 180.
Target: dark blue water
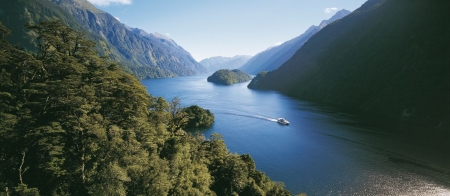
pixel 324 151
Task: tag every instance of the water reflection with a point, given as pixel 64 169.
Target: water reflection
pixel 324 151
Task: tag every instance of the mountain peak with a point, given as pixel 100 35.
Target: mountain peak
pixel 375 60
pixel 273 57
pixel 339 14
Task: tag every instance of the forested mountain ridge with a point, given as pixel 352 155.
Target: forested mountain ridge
pixel 219 62
pixel 274 57
pixel 388 57
pixel 15 14
pixel 73 123
pixel 145 57
pixel 148 52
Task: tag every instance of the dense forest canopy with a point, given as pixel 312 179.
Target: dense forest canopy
pixel 227 77
pixel 198 117
pixel 72 123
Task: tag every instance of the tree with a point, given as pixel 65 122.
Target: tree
pixel 72 123
pixel 199 117
pixel 179 118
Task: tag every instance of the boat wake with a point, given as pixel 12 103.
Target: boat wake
pixel 236 113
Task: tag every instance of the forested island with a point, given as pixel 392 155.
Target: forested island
pixel 227 77
pixel 74 123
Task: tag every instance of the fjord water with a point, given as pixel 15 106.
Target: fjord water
pixel 324 151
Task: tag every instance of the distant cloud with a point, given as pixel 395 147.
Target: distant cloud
pixel 330 9
pixel 109 2
pixel 167 34
pixel 278 43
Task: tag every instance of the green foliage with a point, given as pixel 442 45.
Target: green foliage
pixel 72 123
pixel 23 190
pixel 199 117
pixel 256 80
pixel 227 77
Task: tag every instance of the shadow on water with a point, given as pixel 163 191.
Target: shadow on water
pixel 433 143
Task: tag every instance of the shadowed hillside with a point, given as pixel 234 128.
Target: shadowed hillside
pixel 389 57
pixel 274 57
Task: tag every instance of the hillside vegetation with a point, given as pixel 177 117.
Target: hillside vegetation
pixel 72 123
pixel 389 57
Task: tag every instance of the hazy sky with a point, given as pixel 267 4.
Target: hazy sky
pixel 207 28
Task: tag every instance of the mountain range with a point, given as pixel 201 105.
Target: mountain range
pixel 220 62
pixel 274 57
pixel 388 57
pixel 145 55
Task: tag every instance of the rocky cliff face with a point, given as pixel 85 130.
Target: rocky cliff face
pixel 151 55
pixel 146 56
pixel 388 57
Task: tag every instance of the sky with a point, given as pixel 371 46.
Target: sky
pixel 207 28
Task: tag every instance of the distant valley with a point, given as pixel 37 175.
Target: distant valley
pixel 220 62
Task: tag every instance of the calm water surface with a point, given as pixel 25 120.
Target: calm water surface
pixel 323 151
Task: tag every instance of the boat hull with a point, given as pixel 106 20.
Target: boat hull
pixel 283 121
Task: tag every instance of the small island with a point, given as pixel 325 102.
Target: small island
pixel 227 77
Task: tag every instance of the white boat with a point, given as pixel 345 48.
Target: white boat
pixel 283 121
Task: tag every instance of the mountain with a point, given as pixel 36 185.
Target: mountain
pixel 14 14
pixel 146 51
pixel 388 57
pixel 220 62
pixel 274 57
pixel 146 56
pixel 227 77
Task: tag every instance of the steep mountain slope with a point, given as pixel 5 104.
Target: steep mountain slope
pixel 274 57
pixel 389 57
pixel 220 62
pixel 145 56
pixel 142 50
pixel 14 14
